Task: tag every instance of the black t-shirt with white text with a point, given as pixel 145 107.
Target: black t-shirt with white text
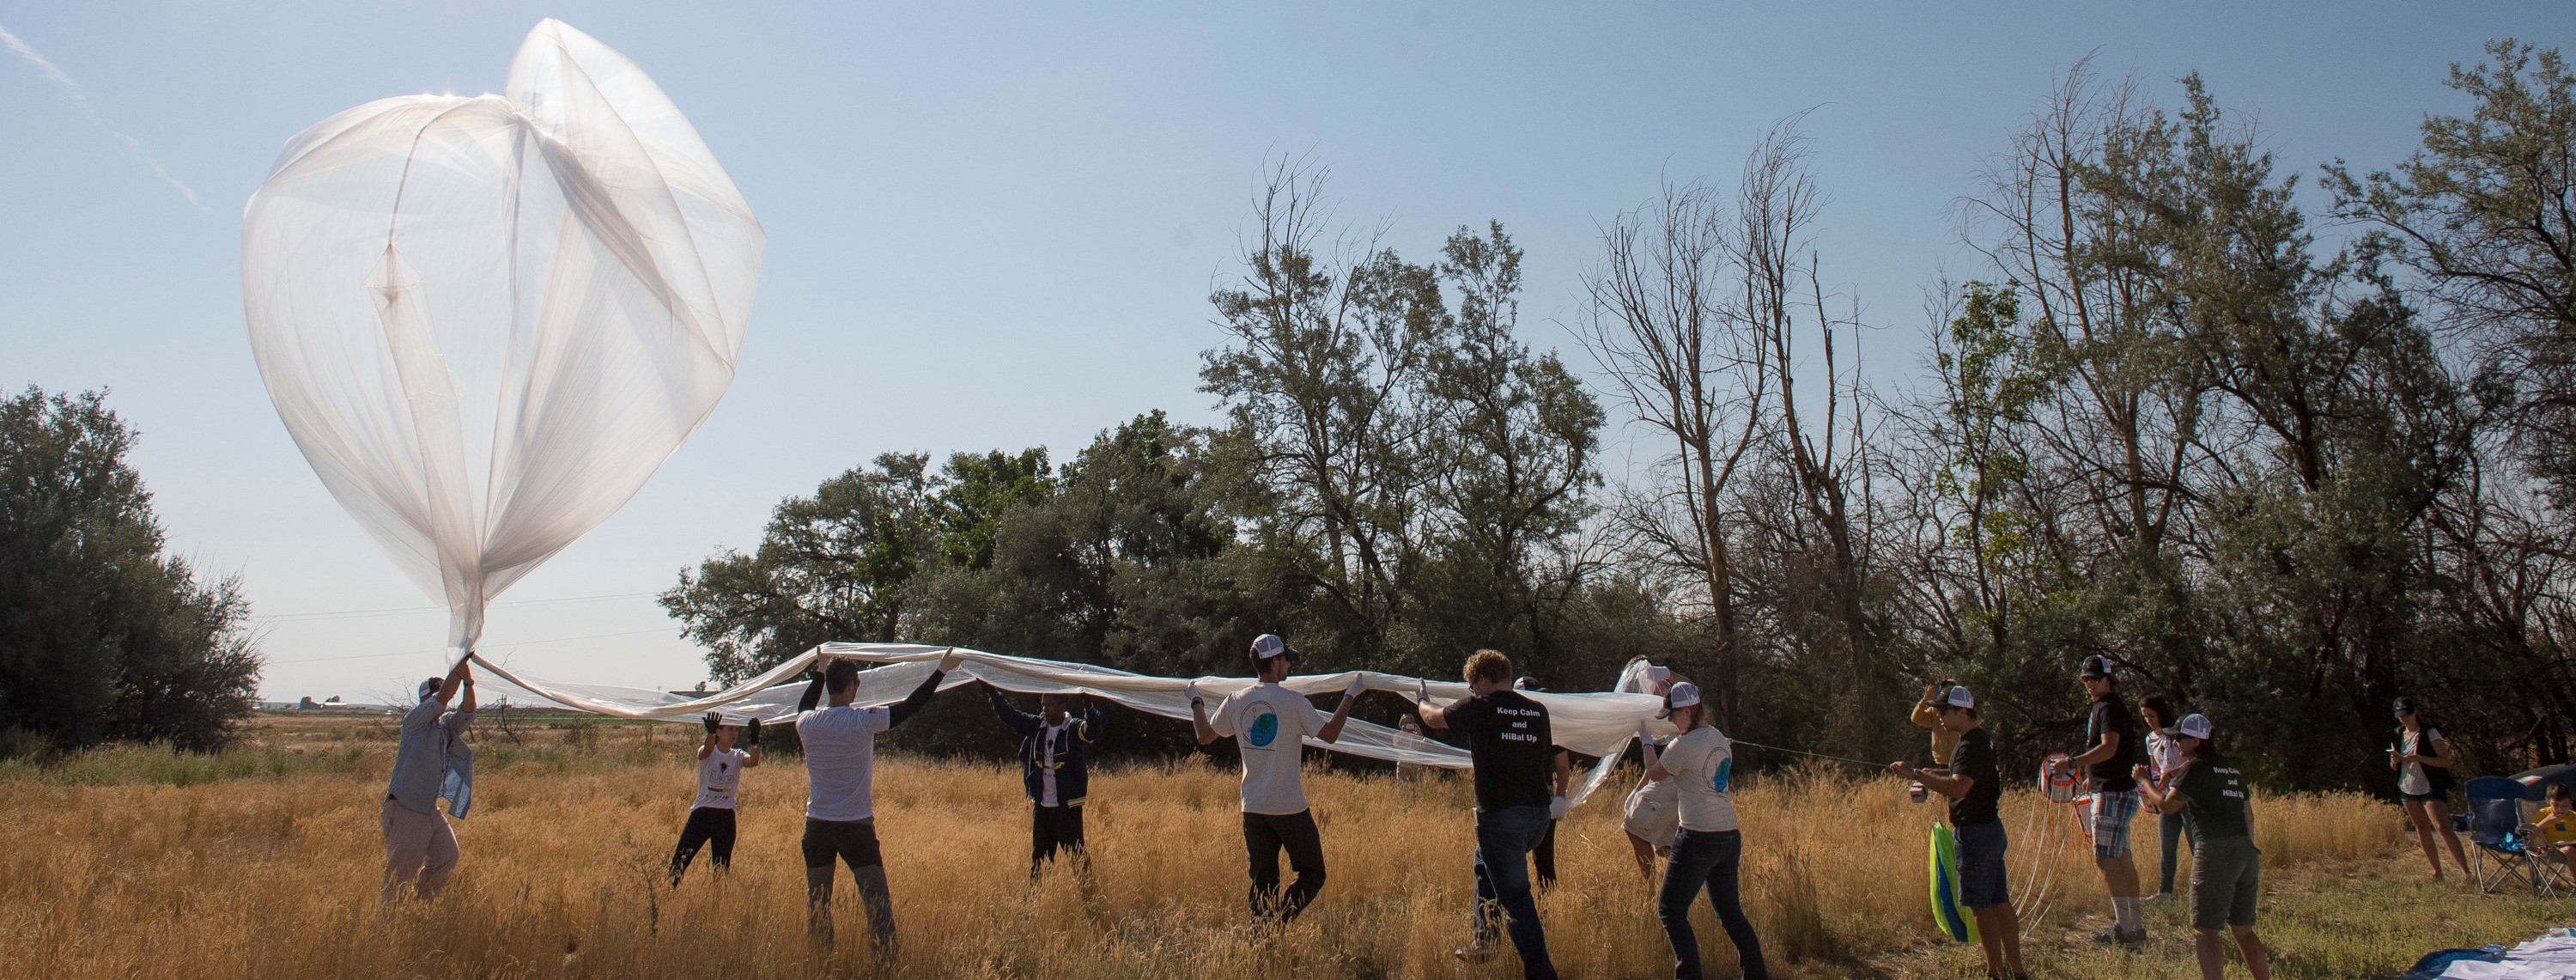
pixel 2111 717
pixel 1512 747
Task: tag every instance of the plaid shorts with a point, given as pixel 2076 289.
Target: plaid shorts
pixel 2112 811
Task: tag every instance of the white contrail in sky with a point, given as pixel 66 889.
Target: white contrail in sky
pixel 80 100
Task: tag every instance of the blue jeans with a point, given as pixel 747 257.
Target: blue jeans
pixel 1504 839
pixel 1706 859
pixel 2171 830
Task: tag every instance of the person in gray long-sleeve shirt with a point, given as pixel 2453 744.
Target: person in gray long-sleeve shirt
pixel 431 759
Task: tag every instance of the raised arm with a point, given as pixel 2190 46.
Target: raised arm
pixel 752 757
pixel 813 692
pixel 458 676
pixel 920 697
pixel 707 745
pixel 468 707
pixel 1012 717
pixel 1198 715
pixel 1332 730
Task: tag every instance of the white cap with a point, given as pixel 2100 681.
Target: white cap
pixel 1521 685
pixel 1954 696
pixel 1683 695
pixel 2196 726
pixel 1269 645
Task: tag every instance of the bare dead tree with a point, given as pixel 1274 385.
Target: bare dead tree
pixel 1658 325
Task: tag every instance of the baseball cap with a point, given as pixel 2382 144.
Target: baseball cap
pixel 2405 706
pixel 1683 695
pixel 429 688
pixel 2096 665
pixel 1269 645
pixel 2196 726
pixel 1954 696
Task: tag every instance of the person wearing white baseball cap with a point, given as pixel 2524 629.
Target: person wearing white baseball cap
pixel 1973 782
pixel 711 816
pixel 2226 871
pixel 1709 850
pixel 1270 723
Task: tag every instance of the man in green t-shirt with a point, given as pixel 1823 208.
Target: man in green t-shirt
pixel 2226 871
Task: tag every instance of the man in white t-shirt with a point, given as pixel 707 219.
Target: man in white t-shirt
pixel 1709 850
pixel 711 815
pixel 840 815
pixel 1270 724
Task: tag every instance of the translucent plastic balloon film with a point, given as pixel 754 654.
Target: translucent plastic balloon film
pixel 487 320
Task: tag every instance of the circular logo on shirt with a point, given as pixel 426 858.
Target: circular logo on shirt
pixel 1264 730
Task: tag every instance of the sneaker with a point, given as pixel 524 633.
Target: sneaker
pixel 2134 939
pixel 1474 952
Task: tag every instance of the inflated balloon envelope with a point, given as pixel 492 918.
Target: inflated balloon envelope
pixel 486 320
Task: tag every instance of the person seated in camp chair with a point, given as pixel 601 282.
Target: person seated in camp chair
pixel 1974 784
pixel 1055 765
pixel 2554 830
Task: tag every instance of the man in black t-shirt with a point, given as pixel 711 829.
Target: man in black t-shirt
pixel 1974 783
pixel 2110 732
pixel 1512 750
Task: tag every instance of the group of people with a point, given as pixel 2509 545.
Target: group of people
pixel 1681 812
pixel 2175 770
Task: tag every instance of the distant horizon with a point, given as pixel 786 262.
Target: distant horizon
pixel 998 229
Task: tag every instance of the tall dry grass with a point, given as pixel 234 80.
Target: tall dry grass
pixel 563 876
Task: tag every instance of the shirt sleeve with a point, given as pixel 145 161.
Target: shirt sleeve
pixel 1315 718
pixel 1222 719
pixel 424 714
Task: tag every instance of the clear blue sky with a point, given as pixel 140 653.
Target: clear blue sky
pixel 996 226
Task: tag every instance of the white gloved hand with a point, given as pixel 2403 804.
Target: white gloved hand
pixel 1557 806
pixel 1192 689
pixel 1645 734
pixel 1359 682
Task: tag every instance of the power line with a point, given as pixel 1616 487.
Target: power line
pixel 407 653
pixel 361 613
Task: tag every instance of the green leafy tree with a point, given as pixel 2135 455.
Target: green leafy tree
pixel 832 566
pixel 101 635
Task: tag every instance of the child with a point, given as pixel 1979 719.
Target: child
pixel 2556 825
pixel 720 767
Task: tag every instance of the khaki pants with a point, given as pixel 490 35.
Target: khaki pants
pixel 420 851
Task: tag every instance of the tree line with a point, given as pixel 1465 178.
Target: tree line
pixel 2281 457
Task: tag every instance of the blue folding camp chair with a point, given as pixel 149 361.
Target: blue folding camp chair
pixel 2501 853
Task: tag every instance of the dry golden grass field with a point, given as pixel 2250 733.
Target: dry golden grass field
pixel 264 862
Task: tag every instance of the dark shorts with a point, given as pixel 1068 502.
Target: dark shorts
pixel 852 841
pixel 1981 865
pixel 2226 878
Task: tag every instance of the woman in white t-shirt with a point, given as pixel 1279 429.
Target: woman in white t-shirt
pixel 2422 758
pixel 2164 758
pixel 720 767
pixel 1708 853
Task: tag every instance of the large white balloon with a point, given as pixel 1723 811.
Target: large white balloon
pixel 487 320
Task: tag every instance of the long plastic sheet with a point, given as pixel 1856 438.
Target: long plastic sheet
pixel 487 320
pixel 1593 724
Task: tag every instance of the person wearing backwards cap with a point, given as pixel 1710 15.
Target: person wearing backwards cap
pixel 1513 750
pixel 1709 849
pixel 2110 761
pixel 1270 723
pixel 1974 783
pixel 431 760
pixel 720 767
pixel 2226 870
